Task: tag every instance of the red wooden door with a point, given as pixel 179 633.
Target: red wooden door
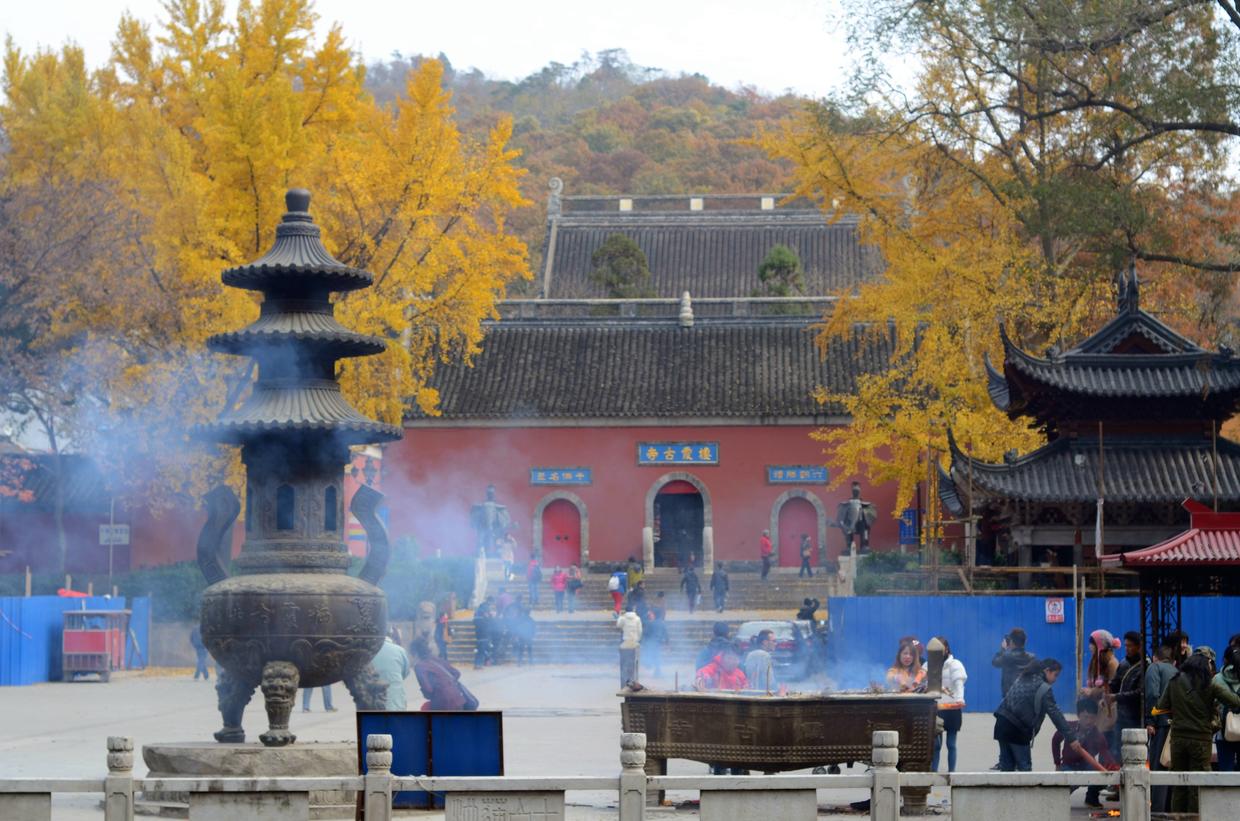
pixel 797 516
pixel 561 535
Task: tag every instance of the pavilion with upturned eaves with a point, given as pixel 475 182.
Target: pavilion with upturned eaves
pixel 1131 415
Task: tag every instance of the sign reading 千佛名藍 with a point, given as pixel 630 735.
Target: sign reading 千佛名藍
pixel 796 475
pixel 1054 611
pixel 677 453
pixel 561 476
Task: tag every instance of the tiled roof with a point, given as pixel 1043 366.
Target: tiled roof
pixel 558 369
pixel 1197 373
pixel 1066 470
pixel 1212 539
pixel 712 254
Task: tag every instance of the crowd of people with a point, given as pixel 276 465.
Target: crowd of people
pixel 1186 704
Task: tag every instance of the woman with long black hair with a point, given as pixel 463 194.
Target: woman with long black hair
pixel 1193 698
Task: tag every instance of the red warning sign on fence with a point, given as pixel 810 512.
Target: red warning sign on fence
pixel 1054 611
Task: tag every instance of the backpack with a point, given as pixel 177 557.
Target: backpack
pixel 613 584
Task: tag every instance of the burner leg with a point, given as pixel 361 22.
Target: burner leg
pixel 234 694
pixel 279 685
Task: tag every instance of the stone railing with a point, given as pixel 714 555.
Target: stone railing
pixel 1010 796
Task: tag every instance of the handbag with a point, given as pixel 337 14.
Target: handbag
pixel 1164 757
pixel 1231 727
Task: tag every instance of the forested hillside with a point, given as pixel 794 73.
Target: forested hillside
pixel 607 126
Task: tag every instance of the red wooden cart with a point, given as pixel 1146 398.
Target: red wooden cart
pixel 94 642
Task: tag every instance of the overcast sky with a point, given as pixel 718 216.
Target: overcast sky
pixel 773 44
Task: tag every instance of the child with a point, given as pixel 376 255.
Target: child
pixel 1096 752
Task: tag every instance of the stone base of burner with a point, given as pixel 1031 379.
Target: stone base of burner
pixel 210 760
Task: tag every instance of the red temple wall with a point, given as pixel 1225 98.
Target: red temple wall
pixel 435 474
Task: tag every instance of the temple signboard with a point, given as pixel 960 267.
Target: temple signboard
pixel 796 475
pixel 677 453
pixel 561 476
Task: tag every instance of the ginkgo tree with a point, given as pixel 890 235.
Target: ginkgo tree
pixel 1040 148
pixel 196 126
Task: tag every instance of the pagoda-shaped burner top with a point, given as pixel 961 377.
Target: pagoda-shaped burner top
pixel 292 616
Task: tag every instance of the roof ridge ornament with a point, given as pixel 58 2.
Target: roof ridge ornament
pixel 555 202
pixel 686 310
pixel 1128 290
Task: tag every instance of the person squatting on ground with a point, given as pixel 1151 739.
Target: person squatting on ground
pixel 759 666
pixel 559 586
pixel 1019 717
pixel 719 587
pixel 1012 658
pixel 1193 698
pixel 906 674
pixel 630 625
pixel 808 608
pixel 692 587
pixel 950 707
pixel 765 550
pixel 1161 671
pixel 200 651
pixel 438 680
pixel 392 665
pixel 1092 741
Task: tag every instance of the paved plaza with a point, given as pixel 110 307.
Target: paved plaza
pixel 560 720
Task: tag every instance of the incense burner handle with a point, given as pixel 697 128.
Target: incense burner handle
pixel 216 535
pixel 364 506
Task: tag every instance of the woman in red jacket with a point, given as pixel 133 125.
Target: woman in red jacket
pixel 437 678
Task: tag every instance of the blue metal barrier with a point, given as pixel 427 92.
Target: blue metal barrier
pixel 30 630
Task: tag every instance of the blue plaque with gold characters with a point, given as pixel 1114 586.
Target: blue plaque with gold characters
pixel 796 475
pixel 677 453
pixel 560 476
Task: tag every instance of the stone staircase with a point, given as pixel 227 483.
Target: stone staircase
pixel 590 641
pixel 782 592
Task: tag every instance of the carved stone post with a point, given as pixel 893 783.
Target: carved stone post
pixel 708 549
pixel 647 548
pixel 632 776
pixel 118 785
pixel 1134 796
pixel 378 781
pixel 885 794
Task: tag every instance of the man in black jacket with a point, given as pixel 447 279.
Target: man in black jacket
pixel 1127 687
pixel 1012 657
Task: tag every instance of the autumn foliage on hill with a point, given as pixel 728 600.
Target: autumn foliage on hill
pixel 606 126
pixel 125 191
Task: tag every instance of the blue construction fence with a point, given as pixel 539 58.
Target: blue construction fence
pixel 867 630
pixel 30 631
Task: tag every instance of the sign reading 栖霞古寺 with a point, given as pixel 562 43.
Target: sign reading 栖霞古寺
pixel 677 453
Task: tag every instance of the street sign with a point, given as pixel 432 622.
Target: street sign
pixel 1054 611
pixel 113 534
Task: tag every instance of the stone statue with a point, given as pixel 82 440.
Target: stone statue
pixel 855 517
pixel 490 521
